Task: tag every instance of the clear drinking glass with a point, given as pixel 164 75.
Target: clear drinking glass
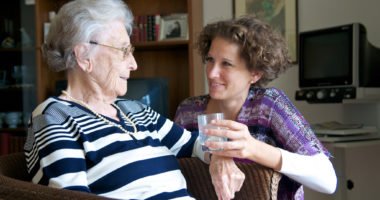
pixel 204 121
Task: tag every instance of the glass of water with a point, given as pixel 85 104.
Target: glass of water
pixel 204 121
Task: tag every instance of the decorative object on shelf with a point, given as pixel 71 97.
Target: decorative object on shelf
pixel 280 14
pixel 13 119
pixel 26 41
pixel 8 42
pixel 30 2
pixel 18 72
pixel 47 24
pixel 174 26
pixel 25 118
pixel 6 35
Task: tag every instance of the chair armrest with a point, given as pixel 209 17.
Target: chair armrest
pixel 14 165
pixel 15 189
pixel 260 182
pixel 15 183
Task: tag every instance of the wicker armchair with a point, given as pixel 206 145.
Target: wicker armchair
pixel 260 183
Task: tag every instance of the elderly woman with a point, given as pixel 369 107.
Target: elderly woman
pixel 87 139
pixel 263 125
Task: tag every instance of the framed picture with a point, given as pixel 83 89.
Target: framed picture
pixel 174 26
pixel 280 14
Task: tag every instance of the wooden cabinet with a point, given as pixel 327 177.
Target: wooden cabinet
pixel 175 60
pixel 17 56
pixel 17 78
pixel 356 166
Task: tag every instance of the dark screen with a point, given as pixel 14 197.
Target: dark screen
pixel 326 57
pixel 150 91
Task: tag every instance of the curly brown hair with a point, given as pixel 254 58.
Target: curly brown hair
pixel 263 49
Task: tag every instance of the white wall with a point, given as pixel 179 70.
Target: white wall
pixel 214 10
pixel 314 14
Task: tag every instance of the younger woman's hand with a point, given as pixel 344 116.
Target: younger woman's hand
pixel 240 143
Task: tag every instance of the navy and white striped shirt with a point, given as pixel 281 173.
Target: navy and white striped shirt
pixel 69 147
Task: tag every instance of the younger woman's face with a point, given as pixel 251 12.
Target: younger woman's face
pixel 227 73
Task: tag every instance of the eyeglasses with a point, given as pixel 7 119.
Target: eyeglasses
pixel 126 50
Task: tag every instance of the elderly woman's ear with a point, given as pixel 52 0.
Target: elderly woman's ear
pixel 82 58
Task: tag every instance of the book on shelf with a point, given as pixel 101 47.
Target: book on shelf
pixel 4 143
pixel 157 21
pixel 16 143
pixel 146 28
pixel 11 143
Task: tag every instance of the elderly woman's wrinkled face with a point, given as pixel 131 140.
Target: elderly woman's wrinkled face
pixel 227 73
pixel 112 66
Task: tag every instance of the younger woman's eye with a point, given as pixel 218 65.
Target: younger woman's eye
pixel 227 64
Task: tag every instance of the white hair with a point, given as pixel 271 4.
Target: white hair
pixel 79 21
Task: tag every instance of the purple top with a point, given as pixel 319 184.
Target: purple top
pixel 272 118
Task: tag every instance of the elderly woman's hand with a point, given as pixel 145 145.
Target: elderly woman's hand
pixel 226 177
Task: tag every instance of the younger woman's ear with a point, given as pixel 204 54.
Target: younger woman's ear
pixel 81 56
pixel 256 76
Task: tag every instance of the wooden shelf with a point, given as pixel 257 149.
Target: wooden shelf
pixel 17 49
pixel 17 87
pixel 164 44
pixel 18 130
